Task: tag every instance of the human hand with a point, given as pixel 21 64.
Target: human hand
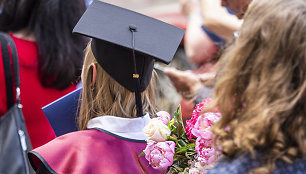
pixel 185 82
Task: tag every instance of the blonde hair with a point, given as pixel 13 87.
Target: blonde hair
pixel 262 90
pixel 108 97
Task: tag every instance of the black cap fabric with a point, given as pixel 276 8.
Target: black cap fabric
pixel 109 26
pixel 125 44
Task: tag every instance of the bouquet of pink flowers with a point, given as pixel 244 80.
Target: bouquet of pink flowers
pixel 171 146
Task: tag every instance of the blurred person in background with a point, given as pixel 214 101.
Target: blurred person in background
pixel 238 7
pixel 50 57
pixel 209 27
pixel 261 92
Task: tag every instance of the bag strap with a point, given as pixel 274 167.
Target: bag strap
pixel 6 42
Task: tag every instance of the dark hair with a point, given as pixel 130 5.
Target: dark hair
pixel 51 21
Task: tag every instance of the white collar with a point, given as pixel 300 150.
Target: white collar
pixel 125 127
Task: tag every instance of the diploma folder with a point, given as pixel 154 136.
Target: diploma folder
pixel 62 114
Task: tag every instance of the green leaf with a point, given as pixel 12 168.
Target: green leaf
pixel 171 122
pixel 184 135
pixel 192 145
pixel 182 143
pixel 178 145
pixel 194 140
pixel 174 131
pixel 142 154
pixel 179 121
pixel 190 154
pixel 179 169
pixel 181 150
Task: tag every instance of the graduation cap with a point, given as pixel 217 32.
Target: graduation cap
pixel 126 44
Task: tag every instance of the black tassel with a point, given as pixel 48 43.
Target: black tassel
pixel 139 113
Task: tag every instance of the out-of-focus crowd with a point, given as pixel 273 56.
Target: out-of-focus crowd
pixel 248 55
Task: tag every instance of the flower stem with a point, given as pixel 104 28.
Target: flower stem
pixel 172 138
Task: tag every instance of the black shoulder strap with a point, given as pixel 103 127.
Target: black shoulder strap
pixel 6 42
pixel 7 71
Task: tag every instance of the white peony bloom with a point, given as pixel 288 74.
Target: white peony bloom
pixel 156 131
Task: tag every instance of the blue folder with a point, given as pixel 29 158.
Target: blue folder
pixel 62 114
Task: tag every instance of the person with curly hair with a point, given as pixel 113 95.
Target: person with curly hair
pixel 261 92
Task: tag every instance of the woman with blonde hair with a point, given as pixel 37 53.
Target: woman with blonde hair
pixel 262 92
pixel 117 96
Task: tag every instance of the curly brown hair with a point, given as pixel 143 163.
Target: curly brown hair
pixel 262 89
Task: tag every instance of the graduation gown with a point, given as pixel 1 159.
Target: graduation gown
pixel 95 151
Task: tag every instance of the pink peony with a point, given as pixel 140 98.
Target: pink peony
pixel 205 150
pixel 203 124
pixel 196 113
pixel 160 155
pixel 164 117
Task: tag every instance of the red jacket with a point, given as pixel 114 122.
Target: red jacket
pixel 33 95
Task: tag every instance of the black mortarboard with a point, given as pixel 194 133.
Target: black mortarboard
pixel 125 44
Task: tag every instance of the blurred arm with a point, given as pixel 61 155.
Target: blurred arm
pixel 198 46
pixel 218 20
